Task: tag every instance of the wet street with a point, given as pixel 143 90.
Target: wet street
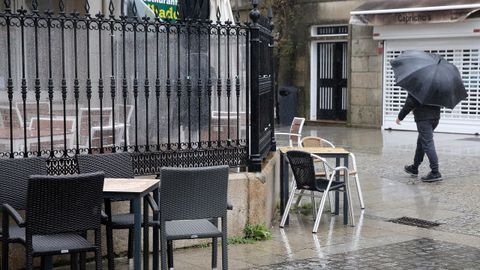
pixel 375 242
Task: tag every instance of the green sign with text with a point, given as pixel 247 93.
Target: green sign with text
pixel 165 9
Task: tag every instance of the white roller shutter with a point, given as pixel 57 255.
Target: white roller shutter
pixel 462 52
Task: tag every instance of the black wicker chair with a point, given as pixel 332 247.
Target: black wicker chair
pixel 189 199
pixel 302 164
pixel 119 165
pixel 13 191
pixel 60 209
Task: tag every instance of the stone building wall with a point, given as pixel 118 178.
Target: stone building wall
pixel 365 85
pixel 365 63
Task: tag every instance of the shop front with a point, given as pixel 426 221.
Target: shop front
pixel 443 27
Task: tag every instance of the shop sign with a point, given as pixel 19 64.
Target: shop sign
pixel 164 9
pixel 443 16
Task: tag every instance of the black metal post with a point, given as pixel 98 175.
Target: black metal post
pixel 272 74
pixel 255 159
pixel 113 82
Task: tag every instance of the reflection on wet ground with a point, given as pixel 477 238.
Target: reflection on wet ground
pixel 422 253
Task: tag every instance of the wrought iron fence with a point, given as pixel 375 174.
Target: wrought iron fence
pixel 174 93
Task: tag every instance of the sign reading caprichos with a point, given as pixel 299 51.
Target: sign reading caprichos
pixel 441 16
pixel 164 9
pixel 413 18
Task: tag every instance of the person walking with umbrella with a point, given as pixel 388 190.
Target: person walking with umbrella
pixel 432 83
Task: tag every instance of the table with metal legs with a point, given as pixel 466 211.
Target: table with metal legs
pixel 327 152
pixel 136 190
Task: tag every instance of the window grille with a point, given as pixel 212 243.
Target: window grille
pixel 331 30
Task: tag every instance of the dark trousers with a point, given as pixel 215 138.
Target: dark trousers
pixel 425 144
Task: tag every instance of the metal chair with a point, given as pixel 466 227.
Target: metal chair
pixel 13 192
pixel 302 164
pixel 295 134
pixel 118 165
pixel 189 199
pixel 312 141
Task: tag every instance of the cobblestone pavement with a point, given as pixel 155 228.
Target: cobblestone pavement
pixel 420 253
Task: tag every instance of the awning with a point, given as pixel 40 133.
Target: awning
pixel 388 12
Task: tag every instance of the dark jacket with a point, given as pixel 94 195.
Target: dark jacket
pixel 420 112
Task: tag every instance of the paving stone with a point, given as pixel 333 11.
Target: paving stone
pixel 423 253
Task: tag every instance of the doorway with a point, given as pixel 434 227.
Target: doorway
pixel 331 81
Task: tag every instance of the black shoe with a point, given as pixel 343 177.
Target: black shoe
pixel 432 177
pixel 412 170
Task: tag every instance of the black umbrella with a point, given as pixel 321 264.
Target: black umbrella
pixel 429 78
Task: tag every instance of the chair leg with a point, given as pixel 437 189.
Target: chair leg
pixel 320 209
pixel 163 247
pixel 287 208
pixel 350 204
pixel 98 259
pixel 83 256
pixel 29 259
pixel 300 195
pixel 314 206
pixel 214 252
pixel 98 250
pixel 170 254
pixel 46 262
pixel 332 207
pixel 73 261
pixel 83 261
pixel 224 244
pixel 156 238
pixel 109 229
pixel 5 252
pixel 130 243
pixel 110 254
pixel 214 246
pixel 359 191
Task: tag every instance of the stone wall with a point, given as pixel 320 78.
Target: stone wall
pixel 365 67
pixel 365 84
pixel 314 13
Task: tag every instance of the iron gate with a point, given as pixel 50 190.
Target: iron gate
pixel 332 81
pixel 173 93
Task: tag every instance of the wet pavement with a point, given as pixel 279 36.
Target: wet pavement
pixel 376 243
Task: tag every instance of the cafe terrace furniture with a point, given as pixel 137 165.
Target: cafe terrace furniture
pixel 16 118
pixel 189 199
pixel 312 141
pixel 339 154
pixel 302 164
pixel 295 134
pixel 58 127
pixel 13 192
pixel 31 110
pixel 135 190
pixel 119 165
pixel 32 138
pixel 107 130
pixel 60 211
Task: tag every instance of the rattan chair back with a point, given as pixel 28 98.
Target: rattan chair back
pixel 113 165
pixel 61 204
pixel 14 179
pixel 193 193
pixel 302 168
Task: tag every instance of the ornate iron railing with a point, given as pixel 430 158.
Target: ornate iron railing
pixel 174 93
